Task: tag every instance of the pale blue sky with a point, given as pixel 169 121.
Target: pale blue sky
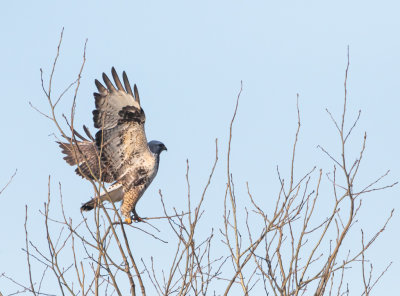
pixel 188 59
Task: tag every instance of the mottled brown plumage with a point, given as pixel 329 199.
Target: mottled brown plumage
pixel 119 152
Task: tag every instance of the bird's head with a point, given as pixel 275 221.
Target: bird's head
pixel 157 147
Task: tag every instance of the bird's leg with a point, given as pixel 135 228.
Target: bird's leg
pixel 136 216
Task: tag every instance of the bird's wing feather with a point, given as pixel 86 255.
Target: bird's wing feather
pixel 120 120
pixel 85 154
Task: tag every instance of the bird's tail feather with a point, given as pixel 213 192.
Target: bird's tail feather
pixel 115 192
pixel 88 206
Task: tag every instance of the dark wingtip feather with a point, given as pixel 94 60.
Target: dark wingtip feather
pixel 67 150
pixel 127 84
pixel 100 86
pixel 80 137
pixel 108 82
pixel 135 89
pixel 87 132
pixel 116 79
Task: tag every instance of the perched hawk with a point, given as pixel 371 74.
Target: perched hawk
pixel 119 152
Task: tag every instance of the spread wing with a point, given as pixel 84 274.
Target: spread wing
pixel 121 137
pixel 85 154
pixel 120 120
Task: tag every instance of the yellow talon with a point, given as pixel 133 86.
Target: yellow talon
pixel 128 220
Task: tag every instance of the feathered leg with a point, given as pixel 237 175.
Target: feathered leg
pixel 127 204
pixel 131 197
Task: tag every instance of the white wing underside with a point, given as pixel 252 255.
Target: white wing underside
pixel 110 104
pixel 119 152
pixel 121 138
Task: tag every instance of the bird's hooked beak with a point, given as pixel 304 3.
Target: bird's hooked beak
pixel 164 148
